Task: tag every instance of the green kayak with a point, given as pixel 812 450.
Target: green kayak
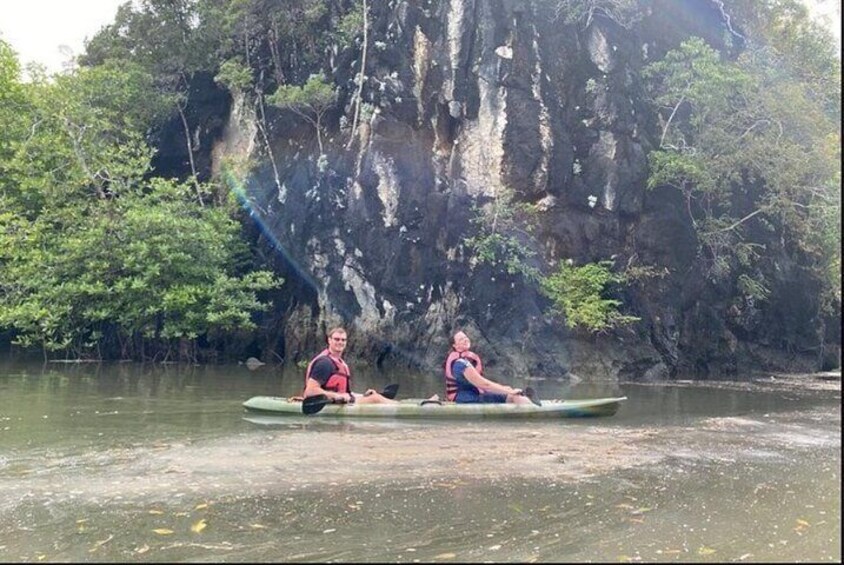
pixel 414 409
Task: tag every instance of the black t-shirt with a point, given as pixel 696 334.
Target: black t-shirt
pixel 322 370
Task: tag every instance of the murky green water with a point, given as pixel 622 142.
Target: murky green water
pixel 124 463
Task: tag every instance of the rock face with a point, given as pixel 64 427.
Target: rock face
pixel 467 99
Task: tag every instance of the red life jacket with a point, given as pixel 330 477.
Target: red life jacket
pixel 340 380
pixel 450 381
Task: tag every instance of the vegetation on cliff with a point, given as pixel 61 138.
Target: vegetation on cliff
pixel 754 154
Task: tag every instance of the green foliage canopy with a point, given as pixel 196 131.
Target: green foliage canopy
pixel 310 101
pixel 751 148
pixel 93 250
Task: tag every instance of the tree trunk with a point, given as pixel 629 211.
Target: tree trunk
pixel 190 154
pixel 361 75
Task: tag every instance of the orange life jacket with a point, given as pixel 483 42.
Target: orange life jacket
pixel 340 380
pixel 450 381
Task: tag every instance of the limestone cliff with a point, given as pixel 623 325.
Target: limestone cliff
pixel 470 98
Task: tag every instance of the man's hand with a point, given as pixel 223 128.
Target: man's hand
pixel 342 398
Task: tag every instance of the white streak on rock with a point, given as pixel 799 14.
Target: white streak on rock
pixel 238 139
pixel 370 318
pixel 599 50
pixel 388 187
pixel 540 177
pixel 606 147
pixel 480 142
pixel 454 31
pixel 421 65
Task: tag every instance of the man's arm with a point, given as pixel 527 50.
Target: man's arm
pixel 484 384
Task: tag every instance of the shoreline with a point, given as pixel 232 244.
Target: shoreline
pixel 773 381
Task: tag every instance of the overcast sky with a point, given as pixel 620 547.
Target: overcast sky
pixel 37 29
pixel 52 31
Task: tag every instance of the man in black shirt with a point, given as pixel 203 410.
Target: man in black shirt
pixel 328 374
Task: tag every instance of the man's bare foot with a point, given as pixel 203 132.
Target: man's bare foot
pixel 433 399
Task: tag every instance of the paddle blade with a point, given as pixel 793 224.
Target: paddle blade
pixel 313 404
pixel 531 394
pixel 390 391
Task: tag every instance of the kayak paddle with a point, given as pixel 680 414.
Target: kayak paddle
pixel 530 393
pixel 390 391
pixel 313 404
